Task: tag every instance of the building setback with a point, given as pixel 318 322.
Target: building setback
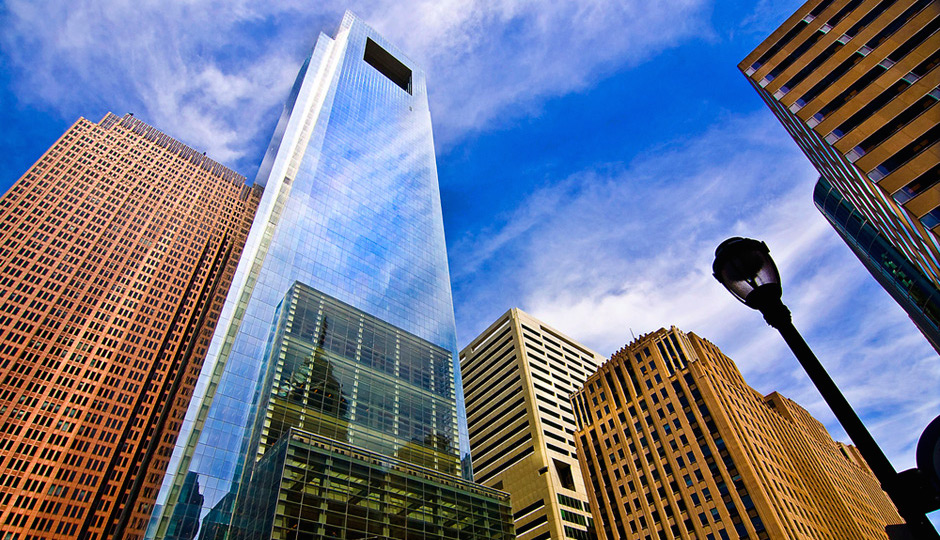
pixel 518 375
pixel 855 83
pixel 677 445
pixel 116 250
pixel 351 216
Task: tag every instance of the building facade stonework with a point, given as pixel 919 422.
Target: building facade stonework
pixel 676 445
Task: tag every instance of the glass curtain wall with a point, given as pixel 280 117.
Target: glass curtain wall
pixel 351 207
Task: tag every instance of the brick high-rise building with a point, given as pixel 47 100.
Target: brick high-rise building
pixel 855 83
pixel 518 375
pixel 116 250
pixel 677 445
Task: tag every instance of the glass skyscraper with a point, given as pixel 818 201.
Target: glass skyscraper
pixel 337 340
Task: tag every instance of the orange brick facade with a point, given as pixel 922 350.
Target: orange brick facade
pixel 116 251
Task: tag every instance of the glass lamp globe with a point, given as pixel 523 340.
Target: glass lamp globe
pixel 745 268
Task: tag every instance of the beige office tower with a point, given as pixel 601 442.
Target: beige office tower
pixel 517 378
pixel 677 445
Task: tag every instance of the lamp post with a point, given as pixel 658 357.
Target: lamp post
pixel 745 268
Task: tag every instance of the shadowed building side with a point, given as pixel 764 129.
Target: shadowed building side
pixel 916 294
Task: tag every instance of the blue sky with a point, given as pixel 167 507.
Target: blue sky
pixel 591 156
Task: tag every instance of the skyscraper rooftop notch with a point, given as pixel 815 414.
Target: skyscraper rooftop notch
pixel 388 65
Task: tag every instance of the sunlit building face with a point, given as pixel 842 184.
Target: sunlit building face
pixel 856 86
pixel 118 247
pixel 351 212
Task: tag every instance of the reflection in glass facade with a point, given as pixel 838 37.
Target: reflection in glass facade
pixel 314 488
pixel 338 372
pixel 355 435
pixel 912 290
pixel 351 207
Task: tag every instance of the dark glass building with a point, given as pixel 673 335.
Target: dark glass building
pixel 901 279
pixel 347 439
pixel 351 208
pixel 336 371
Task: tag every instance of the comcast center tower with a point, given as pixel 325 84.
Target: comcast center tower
pixel 330 403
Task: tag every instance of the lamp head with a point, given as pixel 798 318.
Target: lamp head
pixel 745 268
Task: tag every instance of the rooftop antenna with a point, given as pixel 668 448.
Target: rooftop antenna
pixel 632 334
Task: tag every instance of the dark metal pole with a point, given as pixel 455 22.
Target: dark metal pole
pixel 778 316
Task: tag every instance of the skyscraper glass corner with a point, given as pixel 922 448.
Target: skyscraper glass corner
pixel 916 294
pixel 348 240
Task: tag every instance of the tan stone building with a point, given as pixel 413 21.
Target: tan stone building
pixel 517 378
pixel 855 83
pixel 116 251
pixel 677 445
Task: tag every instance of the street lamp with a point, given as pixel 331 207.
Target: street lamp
pixel 745 268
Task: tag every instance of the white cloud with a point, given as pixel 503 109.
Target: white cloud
pixel 174 64
pixel 598 254
pixel 636 240
pixel 630 246
pixel 215 74
pixel 486 59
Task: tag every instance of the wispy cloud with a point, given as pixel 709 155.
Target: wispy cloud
pixel 636 239
pixel 489 60
pixel 215 73
pixel 175 64
pixel 617 247
pixel 628 247
pixel 767 15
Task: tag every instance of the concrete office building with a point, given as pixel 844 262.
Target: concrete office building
pixel 855 84
pixel 116 251
pixel 677 445
pixel 350 218
pixel 518 375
